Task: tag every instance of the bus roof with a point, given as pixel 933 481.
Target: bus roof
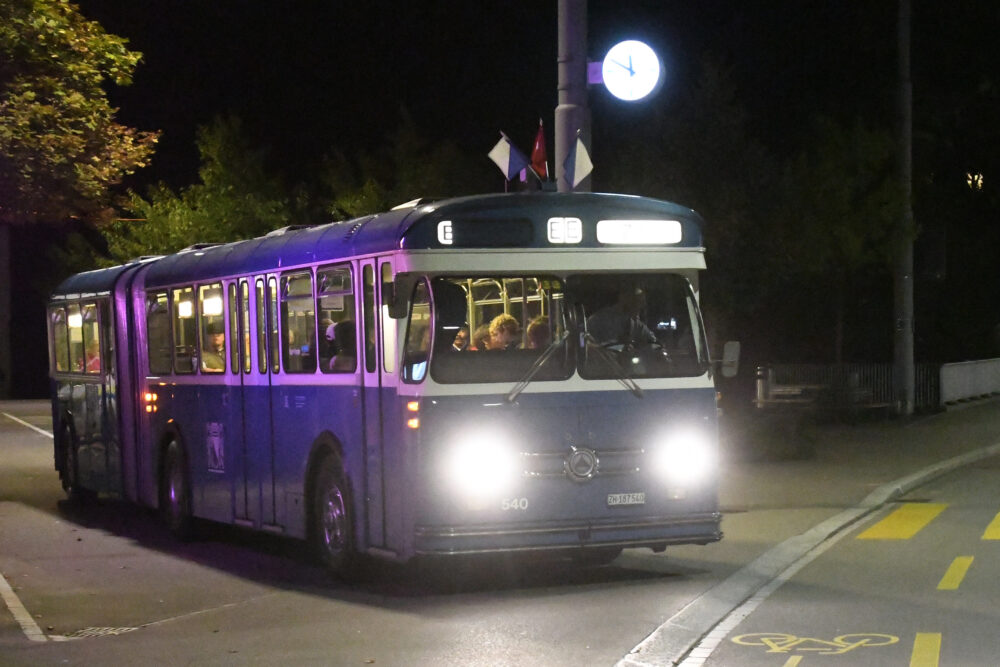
pixel 515 220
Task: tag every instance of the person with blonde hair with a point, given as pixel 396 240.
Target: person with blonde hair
pixel 504 332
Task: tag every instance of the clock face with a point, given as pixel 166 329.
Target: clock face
pixel 631 70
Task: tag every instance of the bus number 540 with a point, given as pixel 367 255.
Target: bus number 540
pixel 514 504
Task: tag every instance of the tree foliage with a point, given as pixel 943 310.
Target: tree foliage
pixel 61 149
pixel 236 199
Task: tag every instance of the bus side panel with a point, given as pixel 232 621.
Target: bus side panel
pixel 213 435
pixel 301 415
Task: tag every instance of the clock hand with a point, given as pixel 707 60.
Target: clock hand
pixel 626 67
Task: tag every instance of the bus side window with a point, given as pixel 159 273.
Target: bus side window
pixel 158 333
pixel 234 323
pixel 298 320
pixel 272 314
pixel 388 324
pixel 338 348
pixel 416 350
pixel 213 329
pixel 75 320
pixel 185 335
pixel 91 340
pixel 60 340
pixel 261 303
pixel 368 282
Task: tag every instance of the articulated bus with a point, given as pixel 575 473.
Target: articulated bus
pixel 520 372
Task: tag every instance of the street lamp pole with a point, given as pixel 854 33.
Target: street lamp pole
pixel 572 113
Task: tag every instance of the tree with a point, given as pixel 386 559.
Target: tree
pixel 408 166
pixel 236 199
pixel 839 206
pixel 61 151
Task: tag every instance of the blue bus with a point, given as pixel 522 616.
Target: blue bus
pixel 521 372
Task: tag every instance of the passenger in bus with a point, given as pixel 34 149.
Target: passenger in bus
pixel 93 355
pixel 538 333
pixel 326 346
pixel 479 337
pixel 213 352
pixel 461 342
pixel 504 332
pixel 620 322
pixel 345 339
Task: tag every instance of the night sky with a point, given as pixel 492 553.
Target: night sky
pixel 311 77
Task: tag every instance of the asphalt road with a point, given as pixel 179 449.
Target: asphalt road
pixel 105 584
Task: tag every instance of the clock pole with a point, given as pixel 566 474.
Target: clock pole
pixel 572 113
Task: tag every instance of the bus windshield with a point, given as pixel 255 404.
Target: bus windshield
pixel 603 326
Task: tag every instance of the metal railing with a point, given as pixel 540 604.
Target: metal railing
pixel 855 385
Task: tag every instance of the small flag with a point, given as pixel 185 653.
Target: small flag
pixel 539 159
pixel 578 165
pixel 508 158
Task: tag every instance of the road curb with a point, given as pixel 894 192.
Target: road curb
pixel 669 644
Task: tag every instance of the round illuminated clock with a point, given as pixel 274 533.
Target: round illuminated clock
pixel 631 70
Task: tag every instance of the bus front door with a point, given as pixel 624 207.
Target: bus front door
pixel 384 481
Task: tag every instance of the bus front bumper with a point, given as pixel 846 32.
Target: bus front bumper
pixel 655 532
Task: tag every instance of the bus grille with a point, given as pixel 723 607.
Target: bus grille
pixel 581 463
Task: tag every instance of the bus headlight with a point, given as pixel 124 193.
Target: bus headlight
pixel 482 466
pixel 684 457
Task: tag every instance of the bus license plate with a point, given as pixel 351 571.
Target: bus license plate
pixel 617 499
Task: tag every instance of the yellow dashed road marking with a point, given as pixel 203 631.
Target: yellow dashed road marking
pixel 926 650
pixel 993 530
pixel 952 579
pixel 904 522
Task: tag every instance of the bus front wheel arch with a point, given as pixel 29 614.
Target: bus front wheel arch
pixel 332 519
pixel 175 492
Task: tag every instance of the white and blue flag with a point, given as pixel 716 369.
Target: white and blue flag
pixel 577 165
pixel 506 156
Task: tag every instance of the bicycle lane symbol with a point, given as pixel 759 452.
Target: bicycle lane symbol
pixel 779 642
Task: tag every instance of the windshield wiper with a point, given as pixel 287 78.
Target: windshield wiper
pixel 535 367
pixel 610 360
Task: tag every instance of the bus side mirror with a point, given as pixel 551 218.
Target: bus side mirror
pixel 730 358
pixel 396 295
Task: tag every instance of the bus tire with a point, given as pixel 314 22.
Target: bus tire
pixel 332 520
pixel 175 493
pixel 70 471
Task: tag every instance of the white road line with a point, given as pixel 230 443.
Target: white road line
pixel 24 423
pixel 21 615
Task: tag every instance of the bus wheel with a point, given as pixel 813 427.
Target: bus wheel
pixel 175 493
pixel 332 532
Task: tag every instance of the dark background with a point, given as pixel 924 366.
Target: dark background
pixel 312 77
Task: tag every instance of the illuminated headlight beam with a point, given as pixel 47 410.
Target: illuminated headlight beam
pixel 684 457
pixel 481 466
